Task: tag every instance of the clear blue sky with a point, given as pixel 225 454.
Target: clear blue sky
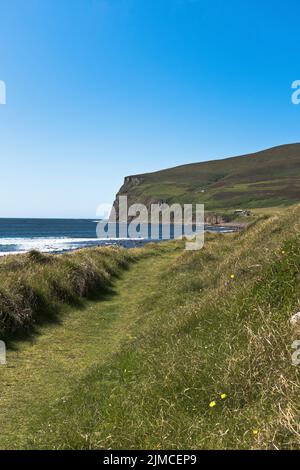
pixel 98 89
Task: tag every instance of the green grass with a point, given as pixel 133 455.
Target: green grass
pixel 178 332
pixel 195 333
pixel 42 369
pixel 34 287
pixel 264 179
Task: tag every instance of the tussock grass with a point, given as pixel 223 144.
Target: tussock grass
pixel 33 287
pixel 44 367
pixel 217 323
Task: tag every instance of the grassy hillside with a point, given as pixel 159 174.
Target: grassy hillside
pixel 207 363
pixel 264 179
pixel 34 287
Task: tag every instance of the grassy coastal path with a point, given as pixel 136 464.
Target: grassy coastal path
pixel 41 371
pixel 189 350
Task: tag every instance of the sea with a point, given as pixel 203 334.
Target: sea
pixel 60 235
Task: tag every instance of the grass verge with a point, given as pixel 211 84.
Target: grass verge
pixel 209 361
pixel 34 287
pixel 43 368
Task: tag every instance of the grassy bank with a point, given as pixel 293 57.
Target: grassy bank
pixel 34 287
pixel 207 363
pixel 43 369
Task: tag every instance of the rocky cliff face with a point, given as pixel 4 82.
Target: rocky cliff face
pixel 133 180
pixel 217 219
pixel 128 189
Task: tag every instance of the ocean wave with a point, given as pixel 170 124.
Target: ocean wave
pixel 55 245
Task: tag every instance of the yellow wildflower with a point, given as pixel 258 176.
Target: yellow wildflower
pixel 212 404
pixel 254 432
pixel 232 276
pixel 223 396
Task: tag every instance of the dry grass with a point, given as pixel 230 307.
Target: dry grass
pixel 33 287
pixel 44 366
pixel 216 323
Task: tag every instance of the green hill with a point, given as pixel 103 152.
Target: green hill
pixel 264 179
